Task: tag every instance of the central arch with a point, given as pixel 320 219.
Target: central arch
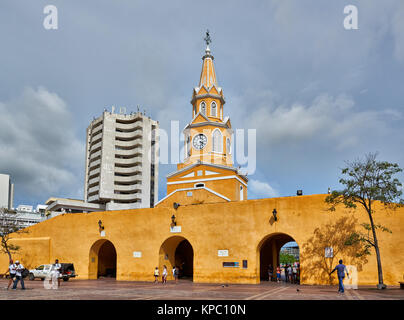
pixel 177 251
pixel 268 252
pixel 102 260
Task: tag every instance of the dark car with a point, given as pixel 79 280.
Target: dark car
pixel 67 271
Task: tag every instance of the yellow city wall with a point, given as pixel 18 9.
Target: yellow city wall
pixel 239 227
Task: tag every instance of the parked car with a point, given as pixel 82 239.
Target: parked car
pixel 44 270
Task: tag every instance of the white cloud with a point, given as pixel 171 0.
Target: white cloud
pixel 38 147
pixel 327 118
pixel 261 189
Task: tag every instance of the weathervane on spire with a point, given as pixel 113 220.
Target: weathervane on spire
pixel 207 38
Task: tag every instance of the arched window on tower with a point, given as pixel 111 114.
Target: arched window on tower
pixel 217 141
pixel 241 193
pixel 213 109
pixel 188 146
pixel 202 108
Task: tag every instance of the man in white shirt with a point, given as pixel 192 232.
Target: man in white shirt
pixel 11 270
pixel 56 269
pixel 18 275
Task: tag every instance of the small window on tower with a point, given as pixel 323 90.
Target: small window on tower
pixel 228 146
pixel 213 109
pixel 203 108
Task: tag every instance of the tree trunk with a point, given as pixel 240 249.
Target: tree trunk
pixel 379 262
pixel 5 248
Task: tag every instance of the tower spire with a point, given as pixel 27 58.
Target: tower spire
pixel 208 74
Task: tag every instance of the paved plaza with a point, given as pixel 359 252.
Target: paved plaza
pixel 110 289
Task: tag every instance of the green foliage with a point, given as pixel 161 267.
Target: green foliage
pixel 365 182
pixel 286 258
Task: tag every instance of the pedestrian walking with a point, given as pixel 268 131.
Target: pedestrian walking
pixel 290 274
pixel 156 275
pixel 278 274
pixel 12 271
pixel 341 269
pixel 270 272
pixel 286 272
pixel 18 275
pixel 294 270
pixel 298 273
pixel 164 276
pixel 175 273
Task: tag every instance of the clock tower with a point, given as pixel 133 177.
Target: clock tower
pixel 207 174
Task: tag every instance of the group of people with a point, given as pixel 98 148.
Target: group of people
pixel 175 272
pixel 15 270
pixel 291 271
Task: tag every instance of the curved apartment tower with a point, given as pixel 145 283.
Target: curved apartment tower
pixel 122 161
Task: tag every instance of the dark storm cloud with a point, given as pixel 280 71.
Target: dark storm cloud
pixel 316 93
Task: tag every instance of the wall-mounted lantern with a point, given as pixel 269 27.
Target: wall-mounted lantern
pixel 275 214
pixel 176 205
pixel 173 222
pixel 100 225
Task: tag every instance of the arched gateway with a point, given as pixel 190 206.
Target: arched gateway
pixel 268 252
pixel 102 260
pixel 177 251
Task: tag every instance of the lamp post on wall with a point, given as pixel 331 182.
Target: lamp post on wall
pixel 100 225
pixel 173 222
pixel 274 213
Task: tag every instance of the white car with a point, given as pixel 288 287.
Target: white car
pixel 40 272
pixel 45 270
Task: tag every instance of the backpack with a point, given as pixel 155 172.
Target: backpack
pixel 25 273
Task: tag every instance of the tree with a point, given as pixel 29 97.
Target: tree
pixel 9 224
pixel 286 258
pixel 368 181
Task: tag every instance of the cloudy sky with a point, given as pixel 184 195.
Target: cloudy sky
pixel 316 93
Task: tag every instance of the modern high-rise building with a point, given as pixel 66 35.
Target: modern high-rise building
pixel 122 161
pixel 6 192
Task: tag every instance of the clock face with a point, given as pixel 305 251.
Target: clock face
pixel 199 142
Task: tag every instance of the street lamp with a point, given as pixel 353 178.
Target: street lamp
pixel 173 222
pixel 274 214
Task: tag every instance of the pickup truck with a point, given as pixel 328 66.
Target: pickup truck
pixel 45 270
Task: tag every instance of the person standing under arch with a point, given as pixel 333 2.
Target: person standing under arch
pixel 156 275
pixel 270 272
pixel 278 274
pixel 164 276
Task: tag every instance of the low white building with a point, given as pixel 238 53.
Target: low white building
pixel 25 216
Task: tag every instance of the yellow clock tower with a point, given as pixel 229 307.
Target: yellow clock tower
pixel 207 174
